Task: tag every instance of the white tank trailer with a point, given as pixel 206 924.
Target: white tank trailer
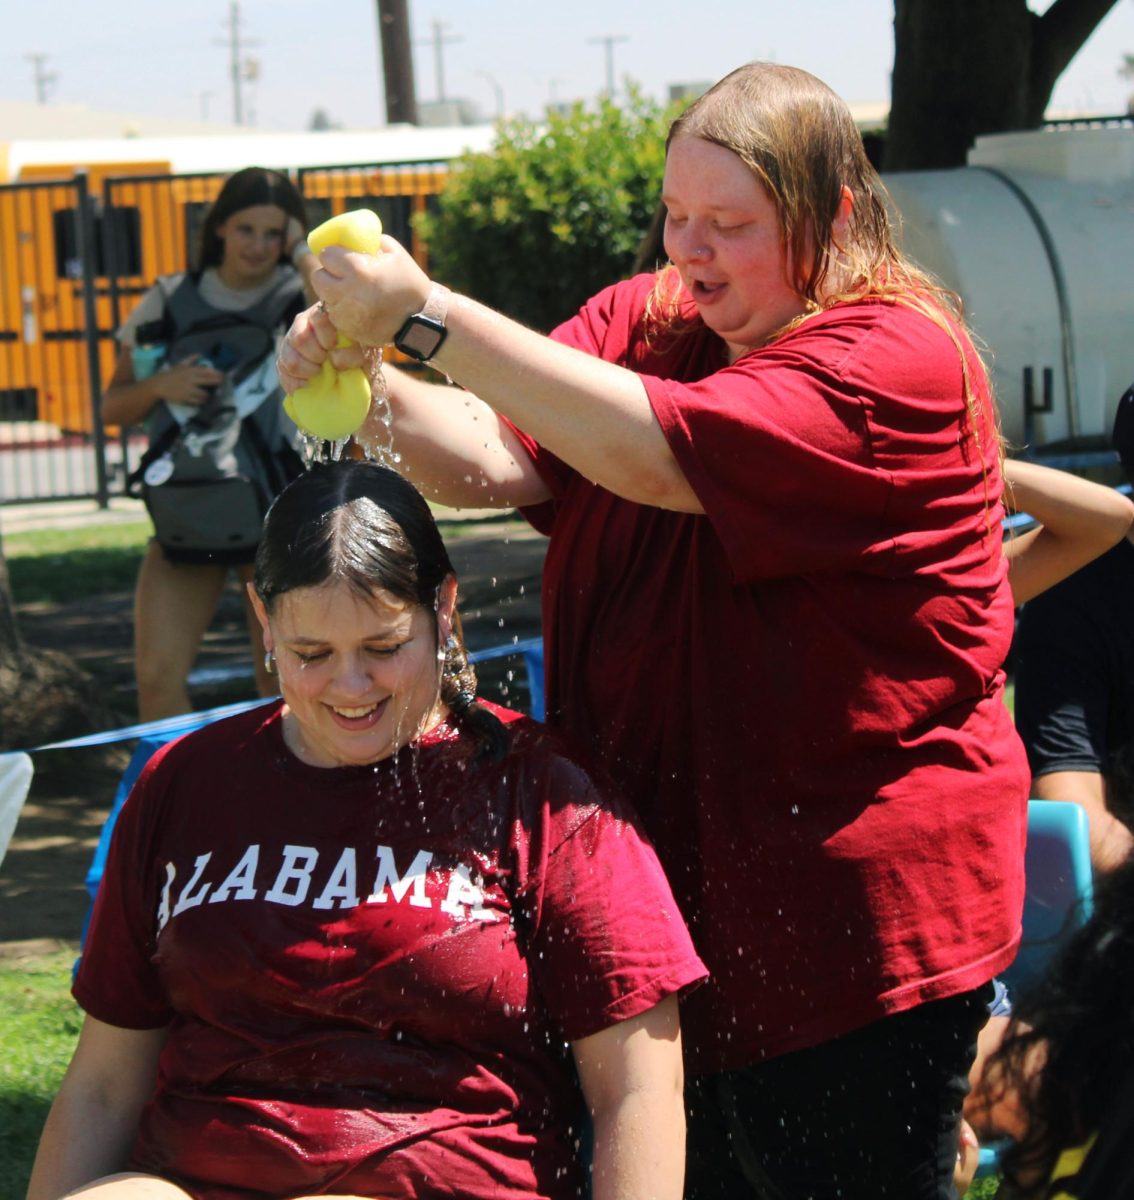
pixel 1036 234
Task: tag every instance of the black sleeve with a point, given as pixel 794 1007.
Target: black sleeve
pixel 1063 685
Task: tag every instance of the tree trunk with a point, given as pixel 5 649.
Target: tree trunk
pixel 967 67
pixel 44 696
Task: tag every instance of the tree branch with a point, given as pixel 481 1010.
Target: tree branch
pixel 1062 31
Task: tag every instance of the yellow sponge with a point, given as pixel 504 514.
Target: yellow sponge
pixel 335 403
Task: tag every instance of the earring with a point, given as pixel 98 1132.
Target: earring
pixel 269 663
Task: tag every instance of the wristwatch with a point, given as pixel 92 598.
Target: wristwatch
pixel 424 333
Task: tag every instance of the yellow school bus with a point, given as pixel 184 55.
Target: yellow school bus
pixel 87 226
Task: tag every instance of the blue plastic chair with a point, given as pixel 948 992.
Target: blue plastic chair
pixel 532 650
pixel 1059 895
pixel 1058 899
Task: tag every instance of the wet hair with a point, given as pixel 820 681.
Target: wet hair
pixel 362 524
pixel 800 141
pixel 1070 1047
pixel 247 189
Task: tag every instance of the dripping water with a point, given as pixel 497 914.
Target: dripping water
pixel 379 443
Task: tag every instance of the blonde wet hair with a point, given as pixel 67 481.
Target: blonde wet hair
pixel 798 138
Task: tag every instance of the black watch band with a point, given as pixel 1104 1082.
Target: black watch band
pixel 424 333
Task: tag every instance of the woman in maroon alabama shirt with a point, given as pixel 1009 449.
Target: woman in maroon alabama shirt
pixel 379 939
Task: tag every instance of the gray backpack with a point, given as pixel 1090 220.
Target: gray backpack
pixel 209 475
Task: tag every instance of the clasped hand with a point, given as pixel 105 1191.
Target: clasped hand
pixel 365 297
pixel 189 382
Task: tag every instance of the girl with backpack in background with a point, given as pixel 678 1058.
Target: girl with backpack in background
pixel 220 445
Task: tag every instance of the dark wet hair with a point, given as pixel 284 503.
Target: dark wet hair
pixel 362 524
pixel 1070 1048
pixel 247 189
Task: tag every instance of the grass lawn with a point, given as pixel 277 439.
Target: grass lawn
pixel 59 566
pixel 37 1035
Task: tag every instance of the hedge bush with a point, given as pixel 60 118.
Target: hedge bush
pixel 554 213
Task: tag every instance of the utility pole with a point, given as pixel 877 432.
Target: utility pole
pixel 43 79
pixel 239 68
pixel 439 41
pixel 609 42
pixel 397 62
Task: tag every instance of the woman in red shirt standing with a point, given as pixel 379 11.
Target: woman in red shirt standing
pixel 776 606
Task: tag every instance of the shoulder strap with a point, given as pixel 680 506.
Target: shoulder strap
pixel 163 442
pixel 185 305
pixel 280 303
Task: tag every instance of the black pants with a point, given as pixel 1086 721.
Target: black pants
pixel 869 1115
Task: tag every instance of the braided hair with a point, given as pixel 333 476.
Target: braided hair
pixel 364 525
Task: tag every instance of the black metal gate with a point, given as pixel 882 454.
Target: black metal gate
pixel 72 265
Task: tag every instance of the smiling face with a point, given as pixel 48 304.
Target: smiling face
pixel 723 233
pixel 359 676
pixel 253 240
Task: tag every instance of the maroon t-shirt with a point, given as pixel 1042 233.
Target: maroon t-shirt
pixel 801 690
pixel 370 974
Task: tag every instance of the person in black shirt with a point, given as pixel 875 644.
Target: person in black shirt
pixel 1074 660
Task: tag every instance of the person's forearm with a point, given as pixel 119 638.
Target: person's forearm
pixel 1111 840
pixel 85 1137
pixel 592 414
pixel 454 448
pixel 130 403
pixel 639 1149
pixel 1079 521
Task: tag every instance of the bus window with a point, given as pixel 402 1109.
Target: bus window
pixel 120 240
pixel 393 212
pixel 122 224
pixel 66 240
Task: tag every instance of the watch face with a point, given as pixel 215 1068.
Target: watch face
pixel 420 337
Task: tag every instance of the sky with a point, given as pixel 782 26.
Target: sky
pixel 172 59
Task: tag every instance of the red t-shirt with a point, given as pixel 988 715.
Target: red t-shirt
pixel 370 974
pixel 801 690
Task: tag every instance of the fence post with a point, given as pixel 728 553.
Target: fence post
pixel 113 270
pixel 87 249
